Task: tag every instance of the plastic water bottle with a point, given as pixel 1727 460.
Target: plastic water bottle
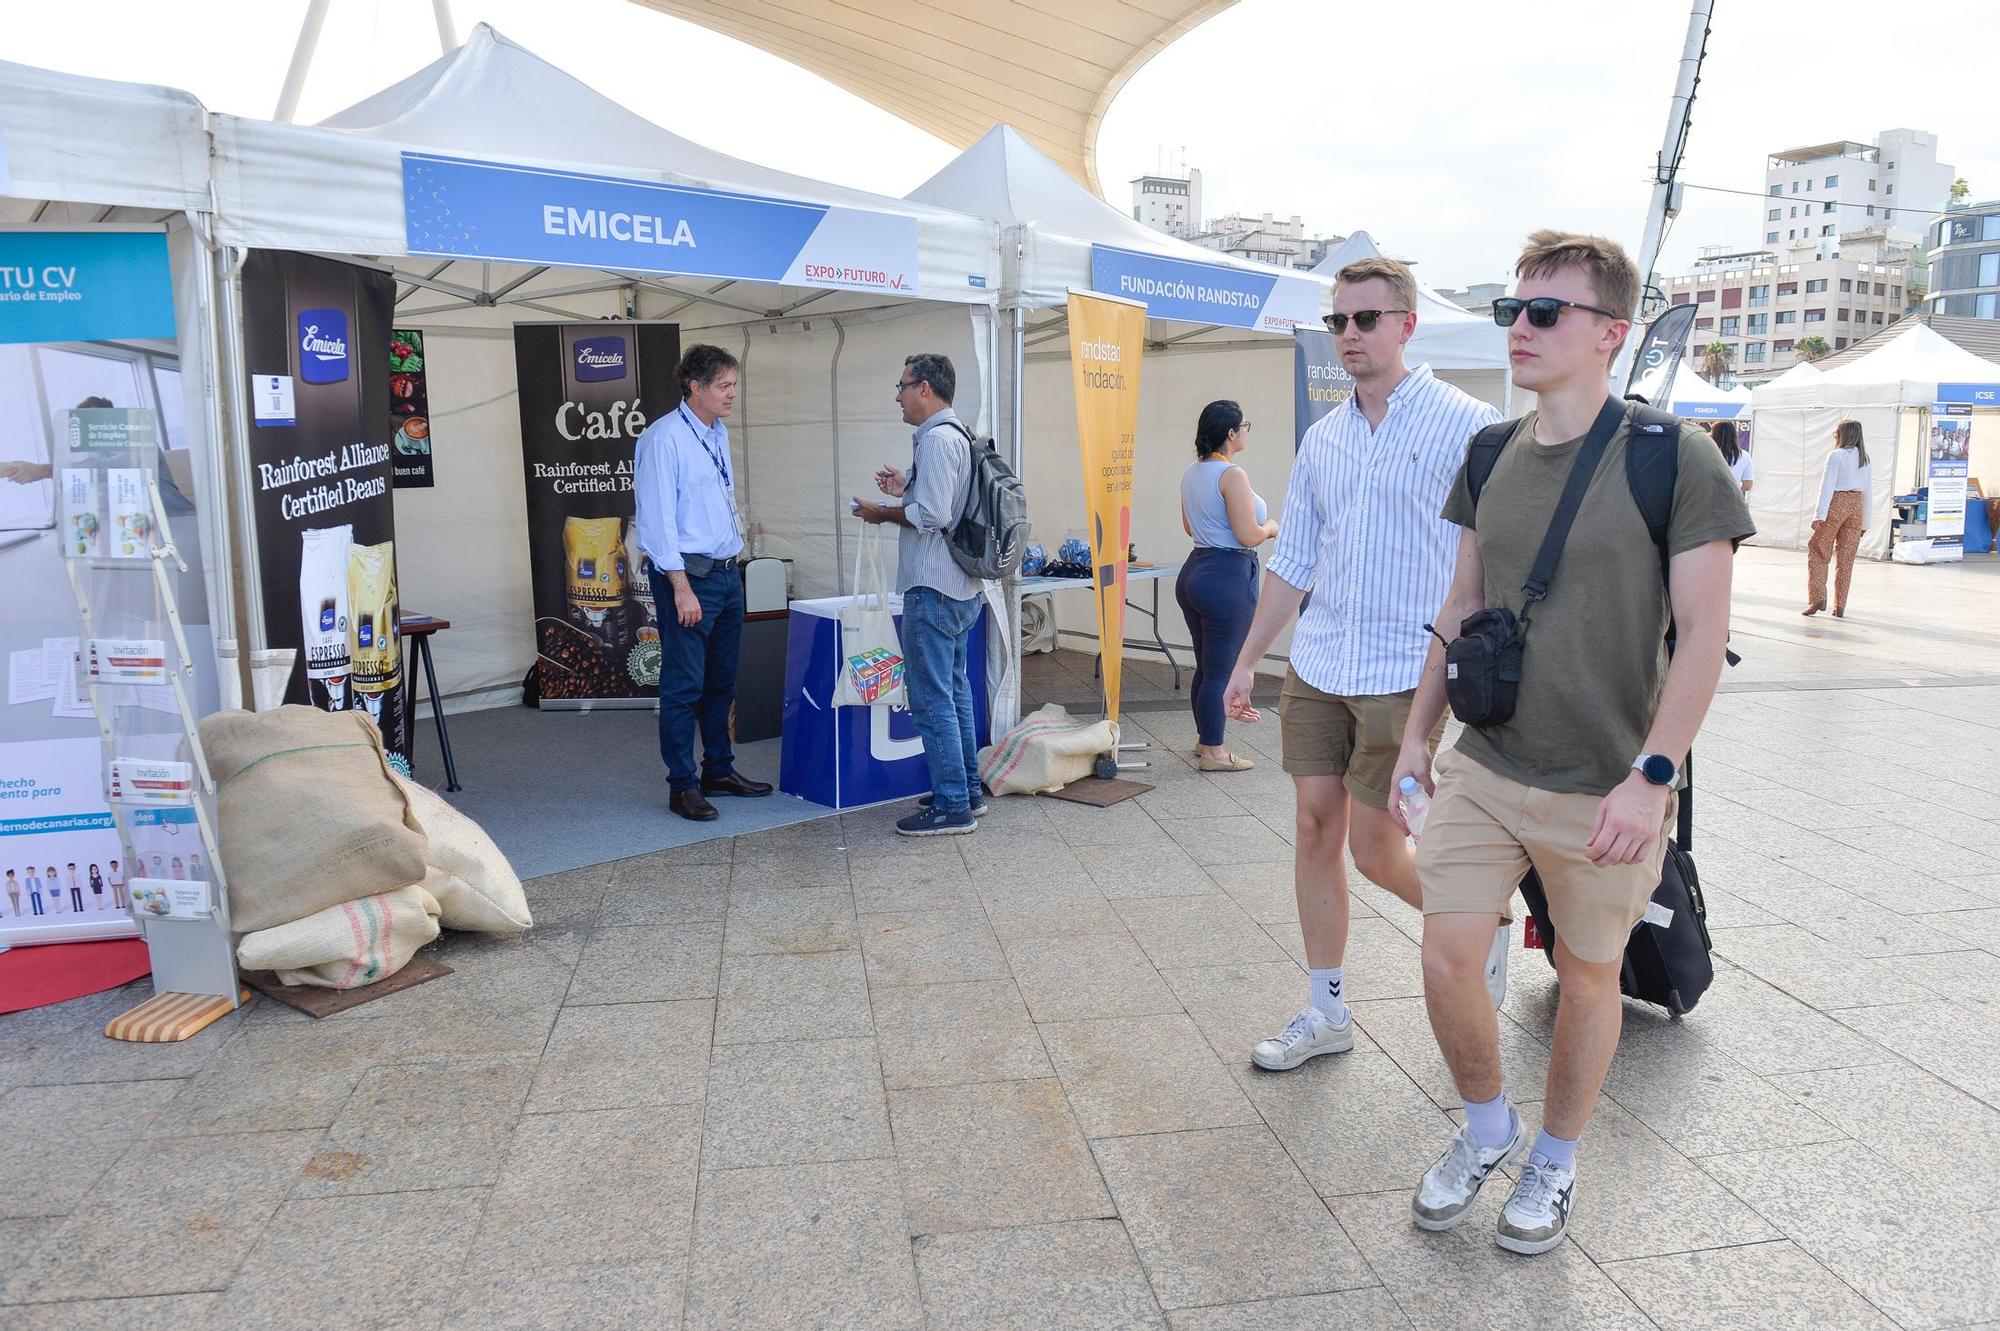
pixel 1414 804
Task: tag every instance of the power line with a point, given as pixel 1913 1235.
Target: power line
pixel 1753 194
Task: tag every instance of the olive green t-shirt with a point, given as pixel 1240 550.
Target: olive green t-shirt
pixel 1595 657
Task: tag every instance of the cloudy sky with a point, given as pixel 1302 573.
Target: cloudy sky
pixel 1447 128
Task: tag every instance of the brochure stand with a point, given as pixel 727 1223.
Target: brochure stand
pixel 117 547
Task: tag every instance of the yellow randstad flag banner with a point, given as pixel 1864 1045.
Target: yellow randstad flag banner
pixel 1106 337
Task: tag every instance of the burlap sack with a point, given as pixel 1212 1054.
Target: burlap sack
pixel 476 889
pixel 348 945
pixel 1046 750
pixel 310 815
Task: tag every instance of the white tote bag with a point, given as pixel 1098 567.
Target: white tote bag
pixel 871 656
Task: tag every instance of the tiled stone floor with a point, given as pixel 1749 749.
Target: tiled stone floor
pixel 824 1077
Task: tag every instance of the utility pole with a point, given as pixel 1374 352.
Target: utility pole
pixel 1665 203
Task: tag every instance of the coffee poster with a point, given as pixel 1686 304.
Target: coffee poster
pixel 409 411
pixel 316 340
pixel 587 392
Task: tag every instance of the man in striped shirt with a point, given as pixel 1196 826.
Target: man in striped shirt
pixel 1361 532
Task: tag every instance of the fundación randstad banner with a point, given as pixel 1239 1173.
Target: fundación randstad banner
pixel 1107 338
pixel 462 208
pixel 1206 293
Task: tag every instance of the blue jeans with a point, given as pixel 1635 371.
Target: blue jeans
pixel 938 679
pixel 1217 590
pixel 698 675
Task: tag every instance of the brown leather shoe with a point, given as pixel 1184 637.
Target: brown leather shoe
pixel 691 805
pixel 735 783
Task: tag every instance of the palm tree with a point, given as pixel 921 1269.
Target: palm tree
pixel 1810 349
pixel 1715 359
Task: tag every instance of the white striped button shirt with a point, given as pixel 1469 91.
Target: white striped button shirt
pixel 1361 531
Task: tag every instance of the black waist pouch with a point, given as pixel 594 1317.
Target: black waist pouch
pixel 1482 668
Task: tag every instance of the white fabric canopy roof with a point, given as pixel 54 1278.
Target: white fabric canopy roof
pixel 1905 370
pixel 338 187
pixel 96 141
pixel 1692 395
pixel 1448 336
pixel 1005 178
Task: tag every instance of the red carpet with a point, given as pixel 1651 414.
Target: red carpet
pixel 32 977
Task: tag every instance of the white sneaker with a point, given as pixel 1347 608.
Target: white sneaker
pixel 1536 1216
pixel 1496 965
pixel 1451 1186
pixel 1309 1036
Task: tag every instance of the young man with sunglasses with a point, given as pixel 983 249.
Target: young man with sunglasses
pixel 1361 532
pixel 1578 781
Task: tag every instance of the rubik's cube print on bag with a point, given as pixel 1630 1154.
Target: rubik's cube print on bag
pixel 875 672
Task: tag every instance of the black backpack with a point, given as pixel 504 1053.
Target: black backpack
pixel 990 535
pixel 1667 961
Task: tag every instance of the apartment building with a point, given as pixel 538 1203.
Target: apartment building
pixel 1760 306
pixel 1267 239
pixel 1816 193
pixel 1169 203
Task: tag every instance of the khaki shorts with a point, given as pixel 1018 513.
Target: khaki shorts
pixel 1483 833
pixel 1357 738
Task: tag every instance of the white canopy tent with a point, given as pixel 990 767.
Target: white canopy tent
pixel 815 417
pixel 1057 236
pixel 1696 399
pixel 1889 391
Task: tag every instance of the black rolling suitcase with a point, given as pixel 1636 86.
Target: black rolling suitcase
pixel 1667 959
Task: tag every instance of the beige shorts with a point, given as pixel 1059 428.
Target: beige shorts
pixel 1357 738
pixel 1483 833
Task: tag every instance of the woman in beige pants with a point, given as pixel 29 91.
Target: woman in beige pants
pixel 1839 522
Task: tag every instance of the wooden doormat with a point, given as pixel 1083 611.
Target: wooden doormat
pixel 1099 793
pixel 317 1002
pixel 169 1018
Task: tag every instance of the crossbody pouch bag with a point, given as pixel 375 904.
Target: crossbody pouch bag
pixel 1482 665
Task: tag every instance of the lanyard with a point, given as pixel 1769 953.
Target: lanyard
pixel 719 462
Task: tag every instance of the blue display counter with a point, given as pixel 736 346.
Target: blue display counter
pixel 846 757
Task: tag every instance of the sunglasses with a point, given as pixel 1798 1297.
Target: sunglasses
pixel 1543 311
pixel 1365 320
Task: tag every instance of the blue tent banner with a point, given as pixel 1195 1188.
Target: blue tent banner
pixel 1319 383
pixel 461 208
pixel 1205 293
pixel 1710 411
pixel 85 286
pixel 1979 395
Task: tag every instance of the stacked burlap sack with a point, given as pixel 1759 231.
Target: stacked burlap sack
pixel 339 869
pixel 1046 750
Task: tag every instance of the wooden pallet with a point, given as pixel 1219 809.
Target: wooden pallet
pixel 166 1018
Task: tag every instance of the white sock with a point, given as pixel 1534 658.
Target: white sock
pixel 1490 1120
pixel 1329 996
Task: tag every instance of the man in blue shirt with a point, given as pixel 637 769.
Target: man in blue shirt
pixel 691 538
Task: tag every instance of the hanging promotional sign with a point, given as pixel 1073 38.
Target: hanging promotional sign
pixel 1950 460
pixel 1205 293
pixel 409 411
pixel 588 391
pixel 85 286
pixel 1319 383
pixel 316 337
pixel 463 208
pixel 1106 341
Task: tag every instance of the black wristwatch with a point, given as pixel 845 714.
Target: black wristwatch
pixel 1656 768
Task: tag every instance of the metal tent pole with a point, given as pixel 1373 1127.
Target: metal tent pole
pixel 302 58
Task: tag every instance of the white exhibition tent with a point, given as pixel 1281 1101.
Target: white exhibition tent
pixel 816 416
pixel 1890 391
pixel 1448 336
pixel 1696 399
pixel 1056 237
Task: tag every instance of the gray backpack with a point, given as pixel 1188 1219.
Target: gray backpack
pixel 991 533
